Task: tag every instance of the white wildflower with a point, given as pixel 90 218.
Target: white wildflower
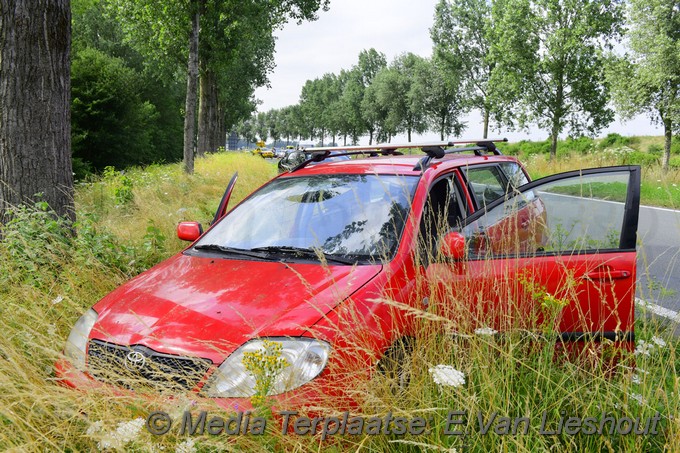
pixel 51 330
pixel 635 379
pixel 485 331
pixel 94 428
pixel 637 397
pixel 125 432
pixel 659 341
pixel 447 376
pixel 186 447
pixel 57 300
pixel 644 348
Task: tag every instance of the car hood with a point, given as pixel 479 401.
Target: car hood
pixel 207 307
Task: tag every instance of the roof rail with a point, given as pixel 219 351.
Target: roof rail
pixel 437 152
pixel 434 150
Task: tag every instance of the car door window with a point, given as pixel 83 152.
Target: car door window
pixel 573 214
pixel 487 183
pixel 445 209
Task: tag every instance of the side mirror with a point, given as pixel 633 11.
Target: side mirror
pixel 189 231
pixel 452 246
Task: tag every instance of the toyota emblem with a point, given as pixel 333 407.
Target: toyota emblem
pixel 135 360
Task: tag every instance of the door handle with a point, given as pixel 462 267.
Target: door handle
pixel 612 274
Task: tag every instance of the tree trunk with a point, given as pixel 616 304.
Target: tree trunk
pixel 668 137
pixel 35 92
pixel 486 122
pixel 208 119
pixel 221 134
pixel 192 88
pixel 553 145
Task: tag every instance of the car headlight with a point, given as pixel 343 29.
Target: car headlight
pixel 305 357
pixel 77 339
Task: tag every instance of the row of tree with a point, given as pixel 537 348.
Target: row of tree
pixel 135 63
pixel 411 95
pixel 519 62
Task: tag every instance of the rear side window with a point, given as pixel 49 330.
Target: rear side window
pixel 487 183
pixel 514 174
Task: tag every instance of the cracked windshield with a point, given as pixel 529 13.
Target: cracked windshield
pixel 360 216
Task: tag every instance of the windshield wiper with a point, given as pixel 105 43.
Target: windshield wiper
pixel 233 251
pixel 302 252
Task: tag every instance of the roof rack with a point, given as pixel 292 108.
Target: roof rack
pixel 434 150
pixel 481 148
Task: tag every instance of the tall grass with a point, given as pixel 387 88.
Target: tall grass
pixel 49 278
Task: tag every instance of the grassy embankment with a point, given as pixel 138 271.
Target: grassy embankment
pixel 48 279
pixel 658 188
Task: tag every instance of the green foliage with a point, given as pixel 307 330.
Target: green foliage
pixel 648 80
pixel 640 158
pixel 123 113
pixel 81 168
pixel 153 245
pixel 121 183
pixel 654 149
pixel 34 243
pixel 37 245
pixel 525 148
pixel 111 124
pixel 581 145
pixel 462 33
pixel 548 58
pixel 613 139
pixel 675 147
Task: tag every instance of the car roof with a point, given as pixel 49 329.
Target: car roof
pixel 398 165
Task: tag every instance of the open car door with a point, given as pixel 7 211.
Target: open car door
pixel 567 268
pixel 222 208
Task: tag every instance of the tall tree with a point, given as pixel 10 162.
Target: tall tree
pixel 192 89
pixel 165 32
pixel 462 33
pixel 122 114
pixel 35 84
pixel 648 80
pixel 370 63
pixel 446 98
pixel 551 50
pixel 379 104
pixel 399 94
pixel 262 126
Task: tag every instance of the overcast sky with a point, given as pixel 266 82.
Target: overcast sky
pixel 333 42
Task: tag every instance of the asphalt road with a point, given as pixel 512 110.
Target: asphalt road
pixel 658 236
pixel 659 257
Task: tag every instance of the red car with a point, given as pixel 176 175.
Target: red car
pixel 323 259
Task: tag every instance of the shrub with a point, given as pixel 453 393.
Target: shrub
pixel 581 145
pixel 675 146
pixel 654 149
pixel 640 158
pixel 614 140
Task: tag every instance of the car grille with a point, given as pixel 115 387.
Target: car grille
pixel 138 367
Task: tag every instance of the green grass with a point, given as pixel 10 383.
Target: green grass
pixel 49 278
